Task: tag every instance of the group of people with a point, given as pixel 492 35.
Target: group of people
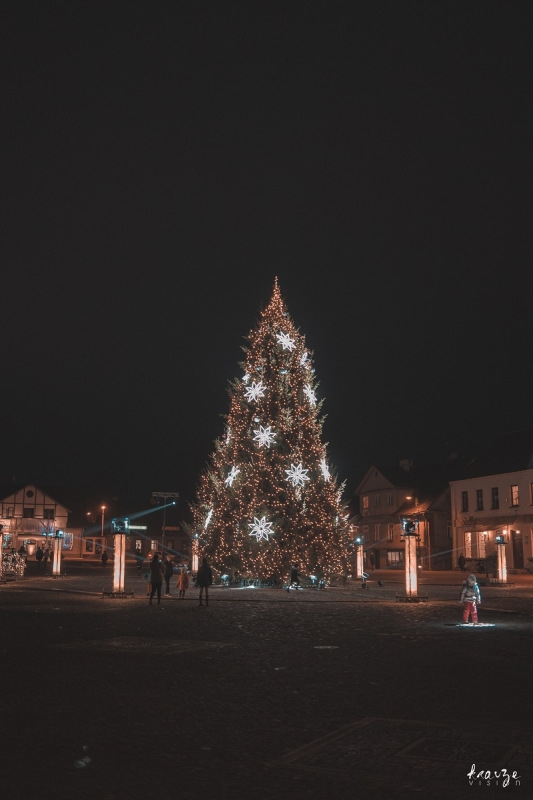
pixel 43 555
pixel 162 570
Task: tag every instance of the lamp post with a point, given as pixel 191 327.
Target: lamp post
pixel 501 559
pixel 165 496
pixel 409 527
pixel 359 557
pixel 103 519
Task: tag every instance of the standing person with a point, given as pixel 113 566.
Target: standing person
pixel 168 571
pixel 156 577
pixel 295 576
pixel 204 579
pixel 372 560
pixel 183 583
pixel 470 598
pixel 461 561
pixel 104 558
pixel 39 555
pixel 140 559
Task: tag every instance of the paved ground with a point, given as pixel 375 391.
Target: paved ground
pixel 264 693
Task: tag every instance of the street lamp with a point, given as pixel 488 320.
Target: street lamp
pixel 103 517
pixel 165 496
pixel 409 527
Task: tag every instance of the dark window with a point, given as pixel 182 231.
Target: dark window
pixel 28 513
pixel 49 513
pixel 479 499
pixel 495 499
pixel 464 501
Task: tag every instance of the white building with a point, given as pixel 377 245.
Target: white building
pixel 494 497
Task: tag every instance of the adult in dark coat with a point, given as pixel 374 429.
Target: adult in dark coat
pixel 204 579
pixel 156 577
pixel 168 571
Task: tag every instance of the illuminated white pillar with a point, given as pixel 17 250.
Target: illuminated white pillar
pixel 501 561
pixel 195 558
pixel 56 550
pixel 1 551
pixel 411 576
pixel 359 561
pixel 120 562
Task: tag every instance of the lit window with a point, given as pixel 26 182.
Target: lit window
pixel 514 495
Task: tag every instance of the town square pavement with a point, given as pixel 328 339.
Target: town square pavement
pixel 265 694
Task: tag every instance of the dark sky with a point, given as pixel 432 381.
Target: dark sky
pixel 163 162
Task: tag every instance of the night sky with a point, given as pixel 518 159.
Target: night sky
pixel 163 162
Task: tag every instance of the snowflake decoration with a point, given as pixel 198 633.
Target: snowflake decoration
pixel 285 341
pixel 260 528
pixel 234 471
pixel 245 378
pixel 297 474
pixel 264 436
pixel 304 361
pixel 208 518
pixel 254 391
pixel 309 393
pixel 325 471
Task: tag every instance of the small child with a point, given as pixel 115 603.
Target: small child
pixel 470 598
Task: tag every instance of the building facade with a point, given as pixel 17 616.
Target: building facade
pixel 494 498
pixel 389 495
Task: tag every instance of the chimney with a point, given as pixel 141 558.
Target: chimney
pixel 406 464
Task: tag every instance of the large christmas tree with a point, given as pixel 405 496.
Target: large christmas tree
pixel 268 498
